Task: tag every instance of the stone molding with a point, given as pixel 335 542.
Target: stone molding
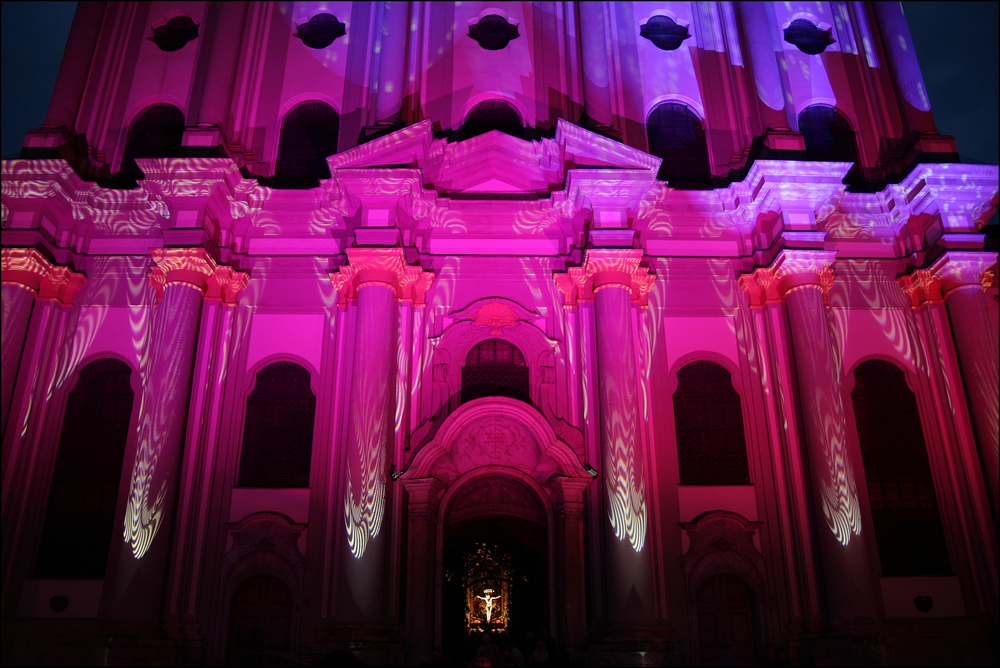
pixel 496 316
pixel 791 270
pixel 385 266
pixel 195 267
pixel 29 268
pixel 604 268
pixel 956 269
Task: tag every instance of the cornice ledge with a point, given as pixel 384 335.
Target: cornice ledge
pixel 964 195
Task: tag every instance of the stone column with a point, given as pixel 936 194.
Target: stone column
pixel 596 80
pixel 392 62
pixel 423 499
pixel 614 280
pixel 375 278
pixel 766 76
pixel 964 277
pixel 26 276
pixel 570 576
pixel 916 105
pixel 181 278
pixel 801 278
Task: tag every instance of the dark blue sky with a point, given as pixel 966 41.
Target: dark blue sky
pixel 957 44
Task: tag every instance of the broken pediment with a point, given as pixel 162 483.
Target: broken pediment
pixel 494 162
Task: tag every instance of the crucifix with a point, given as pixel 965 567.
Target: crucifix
pixel 488 599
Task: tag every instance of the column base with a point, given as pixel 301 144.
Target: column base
pixel 373 645
pixel 632 646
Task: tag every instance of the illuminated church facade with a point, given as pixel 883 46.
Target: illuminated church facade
pixel 666 327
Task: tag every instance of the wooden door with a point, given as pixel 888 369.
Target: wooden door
pixel 260 622
pixel 726 624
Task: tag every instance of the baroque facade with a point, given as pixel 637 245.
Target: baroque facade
pixel 666 327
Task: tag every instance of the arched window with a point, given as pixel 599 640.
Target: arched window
pixel 904 506
pixel 495 368
pixel 278 430
pixel 828 135
pixel 156 133
pixel 308 138
pixel 711 447
pixel 260 622
pixel 80 515
pixel 676 134
pixel 493 115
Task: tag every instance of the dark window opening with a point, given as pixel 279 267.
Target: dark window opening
pixel 175 33
pixel 155 133
pixel 320 31
pixel 808 37
pixel 828 135
pixel 676 135
pixel 493 32
pixel 308 138
pixel 901 493
pixel 495 368
pixel 711 446
pixel 492 115
pixel 664 32
pixel 80 515
pixel 278 429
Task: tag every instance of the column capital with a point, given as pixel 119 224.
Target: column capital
pixel 195 267
pixel 922 287
pixel 381 266
pixel 29 268
pixel 791 270
pixel 606 267
pixel 955 269
pixel 423 497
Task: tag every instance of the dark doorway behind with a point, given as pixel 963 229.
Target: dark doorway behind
pixel 523 543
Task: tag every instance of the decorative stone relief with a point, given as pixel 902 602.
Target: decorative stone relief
pixel 495 316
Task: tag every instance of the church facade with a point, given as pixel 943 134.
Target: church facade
pixel 665 329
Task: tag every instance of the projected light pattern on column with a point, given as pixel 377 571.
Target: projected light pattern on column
pixel 614 279
pixel 375 278
pixel 181 278
pixel 802 279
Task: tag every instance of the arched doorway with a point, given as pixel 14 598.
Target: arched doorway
pixel 496 480
pixel 495 578
pixel 260 622
pixel 726 624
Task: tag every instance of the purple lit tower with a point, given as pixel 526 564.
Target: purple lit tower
pixel 666 329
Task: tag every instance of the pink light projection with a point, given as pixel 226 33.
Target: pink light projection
pixel 165 388
pixel 614 280
pixel 375 278
pixel 802 279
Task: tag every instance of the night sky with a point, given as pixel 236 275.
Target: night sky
pixel 957 43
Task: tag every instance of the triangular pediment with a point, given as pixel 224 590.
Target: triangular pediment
pixel 583 147
pixel 403 147
pixel 494 162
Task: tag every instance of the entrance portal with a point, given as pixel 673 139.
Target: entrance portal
pixel 495 579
